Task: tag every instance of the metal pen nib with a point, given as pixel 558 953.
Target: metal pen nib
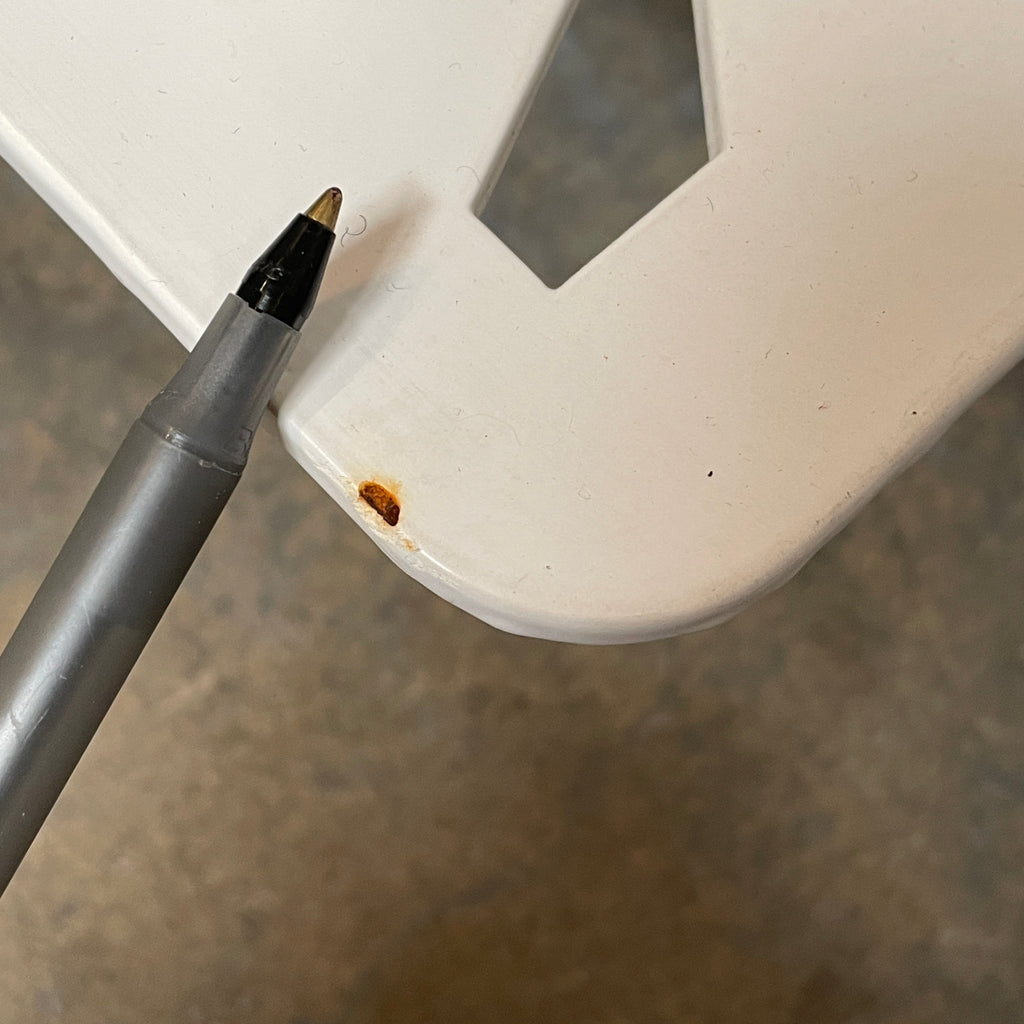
pixel 325 209
pixel 284 281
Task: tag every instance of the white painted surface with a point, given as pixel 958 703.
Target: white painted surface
pixel 800 319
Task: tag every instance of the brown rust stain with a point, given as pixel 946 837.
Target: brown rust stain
pixel 381 500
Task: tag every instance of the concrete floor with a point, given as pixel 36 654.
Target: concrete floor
pixel 327 796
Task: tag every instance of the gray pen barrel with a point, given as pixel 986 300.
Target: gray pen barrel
pixel 91 618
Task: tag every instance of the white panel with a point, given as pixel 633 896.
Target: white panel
pixel 678 427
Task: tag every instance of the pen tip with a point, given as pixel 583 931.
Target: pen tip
pixel 325 209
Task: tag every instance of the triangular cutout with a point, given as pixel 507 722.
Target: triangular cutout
pixel 615 126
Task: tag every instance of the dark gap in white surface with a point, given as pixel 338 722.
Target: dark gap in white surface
pixel 616 125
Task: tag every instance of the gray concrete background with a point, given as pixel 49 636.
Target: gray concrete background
pixel 327 796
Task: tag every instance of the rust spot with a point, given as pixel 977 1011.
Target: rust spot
pixel 381 500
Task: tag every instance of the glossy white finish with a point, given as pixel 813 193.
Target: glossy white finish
pixel 683 423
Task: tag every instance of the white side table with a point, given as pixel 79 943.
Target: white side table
pixel 683 423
